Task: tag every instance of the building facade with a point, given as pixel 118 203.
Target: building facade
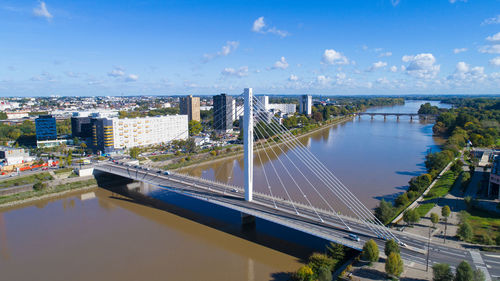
pixel 223 113
pixel 46 128
pixel 115 134
pixel 305 104
pixel 494 184
pixel 190 106
pixel 81 127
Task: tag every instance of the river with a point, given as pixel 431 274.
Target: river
pixel 111 237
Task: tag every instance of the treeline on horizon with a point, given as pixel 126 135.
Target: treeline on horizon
pixel 474 120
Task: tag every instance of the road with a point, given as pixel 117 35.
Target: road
pixel 331 228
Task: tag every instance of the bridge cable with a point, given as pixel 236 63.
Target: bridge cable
pixel 302 147
pixel 293 179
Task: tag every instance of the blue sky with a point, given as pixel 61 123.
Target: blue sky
pixel 333 47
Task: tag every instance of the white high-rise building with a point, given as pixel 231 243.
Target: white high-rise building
pixel 305 104
pixel 110 134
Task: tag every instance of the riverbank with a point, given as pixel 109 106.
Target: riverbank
pixel 239 152
pixel 47 193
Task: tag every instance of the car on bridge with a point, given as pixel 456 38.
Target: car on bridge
pixel 354 237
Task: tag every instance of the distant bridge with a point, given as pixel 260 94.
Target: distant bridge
pixel 385 114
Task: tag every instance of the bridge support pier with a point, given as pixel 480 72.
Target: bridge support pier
pixel 247 221
pixel 397 117
pixel 385 117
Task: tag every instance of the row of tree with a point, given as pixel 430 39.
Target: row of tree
pixel 320 266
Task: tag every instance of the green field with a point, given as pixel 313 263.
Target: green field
pixel 423 209
pixel 26 180
pixel 442 186
pixel 482 223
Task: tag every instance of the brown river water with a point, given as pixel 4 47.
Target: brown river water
pixel 113 237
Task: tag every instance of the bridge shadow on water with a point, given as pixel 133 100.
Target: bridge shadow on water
pixel 268 234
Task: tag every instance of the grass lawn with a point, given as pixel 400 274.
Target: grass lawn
pixel 483 223
pixel 59 188
pixel 442 186
pixel 61 171
pixel 26 180
pixel 423 209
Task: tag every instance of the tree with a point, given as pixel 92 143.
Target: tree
pixel 402 200
pixel 83 146
pixel 304 273
pixel 69 159
pixel 391 246
pixel 317 261
pixel 61 163
pixel 445 212
pixel 394 265
pixel 336 251
pixel 479 275
pixel 442 272
pixel 39 186
pixel 464 231
pixel 411 216
pixel 190 145
pixel 134 152
pixel 195 127
pixel 370 251
pixel 324 274
pixel 464 272
pixel 384 211
pixel 434 219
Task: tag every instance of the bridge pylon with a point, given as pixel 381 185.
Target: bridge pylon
pixel 248 142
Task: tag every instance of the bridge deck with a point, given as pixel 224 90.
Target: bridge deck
pixel 262 207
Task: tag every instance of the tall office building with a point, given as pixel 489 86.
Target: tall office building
pixel 45 128
pixel 223 113
pixel 114 134
pixel 305 104
pixel 81 127
pixel 190 106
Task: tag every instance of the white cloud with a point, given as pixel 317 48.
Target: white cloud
pixel 493 20
pixel 131 78
pixel 242 71
pixel 230 47
pixel 117 72
pixel 293 78
pixel 259 26
pixel 330 56
pixel 465 73
pixel 421 65
pixel 323 80
pixel 490 49
pixel 385 54
pixel 382 81
pixel 459 50
pixel 377 65
pixel 495 37
pixel 281 64
pixel 495 61
pixel 454 1
pixel 393 68
pixel 41 11
pixel 395 2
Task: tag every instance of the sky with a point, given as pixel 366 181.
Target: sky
pixel 335 47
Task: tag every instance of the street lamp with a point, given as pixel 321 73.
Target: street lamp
pixel 428 250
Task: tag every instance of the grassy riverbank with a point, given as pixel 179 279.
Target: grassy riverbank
pixel 17 181
pixel 35 194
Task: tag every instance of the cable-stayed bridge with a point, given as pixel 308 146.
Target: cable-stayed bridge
pixel 309 204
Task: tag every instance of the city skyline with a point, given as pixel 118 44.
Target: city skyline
pixel 384 47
